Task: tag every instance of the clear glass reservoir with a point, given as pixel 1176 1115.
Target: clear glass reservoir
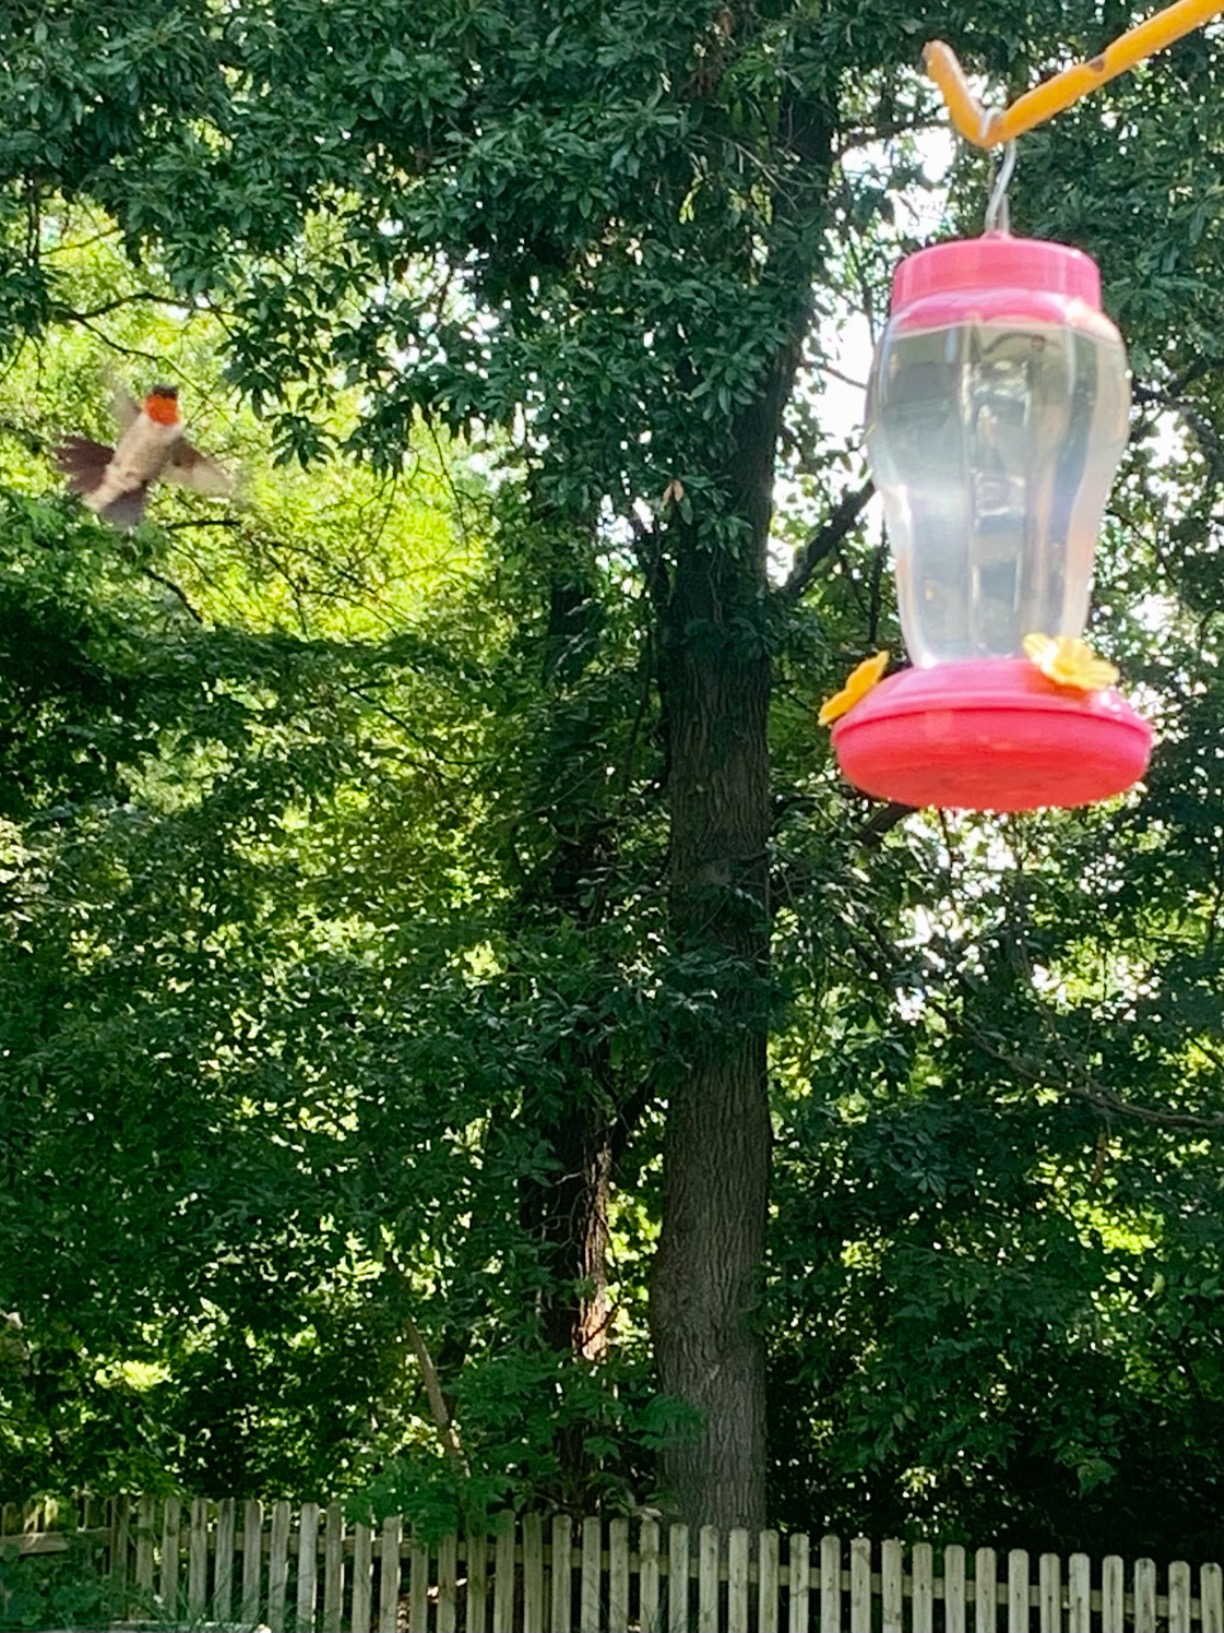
pixel 996 416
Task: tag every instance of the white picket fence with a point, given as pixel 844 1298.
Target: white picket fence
pixel 307 1570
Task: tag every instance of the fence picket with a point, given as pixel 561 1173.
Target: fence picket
pixel 252 1561
pixel 121 1537
pixel 1145 1596
pixel 1079 1594
pixel 389 1575
pixel 363 1565
pixel 278 1566
pixel 648 1576
pixel 1049 1593
pixel 707 1580
pixel 168 1578
pixel 737 1581
pixel 768 1584
pixel 891 1596
pixel 533 1571
pixel 503 1578
pixel 954 1589
pixel 922 1570
pixel 1113 1597
pixel 592 1548
pixel 860 1585
pixel 308 1568
pixel 448 1584
pixel 1017 1591
pixel 985 1591
pixel 798 1581
pixel 618 1574
pixel 146 1511
pixel 477 1579
pixel 1211 1594
pixel 562 1585
pixel 333 1569
pixel 1179 1597
pixel 418 1587
pixel 197 1560
pixel 830 1584
pixel 223 1570
pixel 678 1573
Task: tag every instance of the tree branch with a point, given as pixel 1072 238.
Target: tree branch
pixel 827 538
pixel 433 1388
pixel 1088 1090
pixel 67 314
pixel 881 822
pixel 648 549
pixel 1204 433
pixel 201 521
pixel 29 440
pixel 175 589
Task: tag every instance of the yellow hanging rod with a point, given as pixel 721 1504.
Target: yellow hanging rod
pixel 988 128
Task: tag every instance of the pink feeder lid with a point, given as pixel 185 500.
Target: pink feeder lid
pixel 990 734
pixel 997 261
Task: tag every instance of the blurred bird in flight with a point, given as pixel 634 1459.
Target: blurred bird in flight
pixel 115 482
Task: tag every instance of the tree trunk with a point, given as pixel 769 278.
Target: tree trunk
pixel 568 1215
pixel 707 1275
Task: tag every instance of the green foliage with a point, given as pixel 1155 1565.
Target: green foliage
pixel 54 1590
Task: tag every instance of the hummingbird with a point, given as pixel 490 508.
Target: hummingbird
pixel 115 482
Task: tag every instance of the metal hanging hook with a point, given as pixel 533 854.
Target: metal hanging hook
pixel 997 214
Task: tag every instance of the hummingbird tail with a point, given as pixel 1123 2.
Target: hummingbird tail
pixel 128 509
pixel 83 462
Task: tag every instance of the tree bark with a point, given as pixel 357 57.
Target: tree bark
pixel 706 1282
pixel 568 1216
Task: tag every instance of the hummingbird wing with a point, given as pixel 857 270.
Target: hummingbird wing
pixel 124 406
pixel 191 469
pixel 83 462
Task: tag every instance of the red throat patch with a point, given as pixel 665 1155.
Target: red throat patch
pixel 161 408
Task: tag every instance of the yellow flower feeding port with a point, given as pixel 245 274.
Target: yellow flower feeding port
pixel 1068 662
pixel 997 412
pixel 858 683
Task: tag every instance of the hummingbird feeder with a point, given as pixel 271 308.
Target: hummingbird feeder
pixel 997 413
pixel 996 417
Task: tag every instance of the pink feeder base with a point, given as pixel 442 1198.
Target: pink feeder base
pixel 990 734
